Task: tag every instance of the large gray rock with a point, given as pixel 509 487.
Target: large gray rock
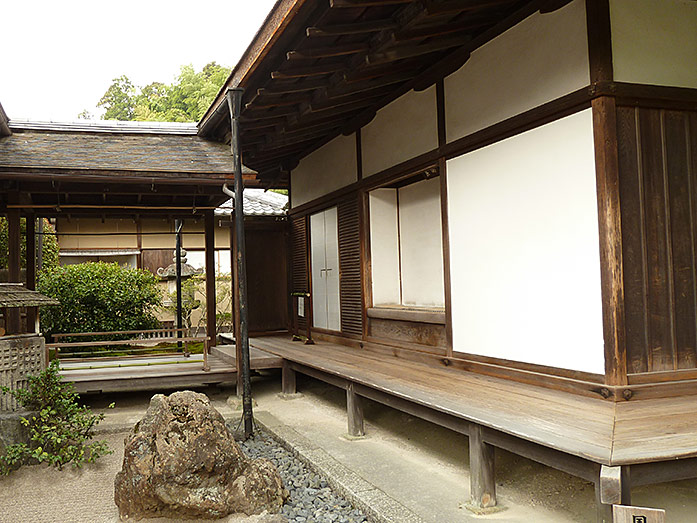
pixel 181 461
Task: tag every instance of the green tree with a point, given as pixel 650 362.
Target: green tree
pixel 185 100
pixel 96 297
pixel 50 244
pixel 118 100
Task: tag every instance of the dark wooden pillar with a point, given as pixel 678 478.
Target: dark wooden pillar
pixel 210 276
pixel 354 409
pixel 482 479
pixel 236 306
pixel 14 269
pixel 32 312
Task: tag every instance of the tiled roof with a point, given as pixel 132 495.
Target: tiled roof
pixel 114 148
pixel 16 295
pixel 258 202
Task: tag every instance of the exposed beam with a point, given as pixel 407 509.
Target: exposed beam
pixel 265 101
pixel 458 6
pixel 438 30
pixel 312 70
pixel 291 86
pixel 365 3
pixel 400 53
pixel 327 52
pixel 372 26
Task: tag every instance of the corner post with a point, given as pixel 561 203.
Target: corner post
pixel 612 488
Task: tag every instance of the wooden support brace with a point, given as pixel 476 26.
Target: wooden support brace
pixel 354 409
pixel 482 481
pixel 612 488
pixel 288 385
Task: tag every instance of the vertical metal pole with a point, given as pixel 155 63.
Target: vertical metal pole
pixel 234 100
pixel 178 265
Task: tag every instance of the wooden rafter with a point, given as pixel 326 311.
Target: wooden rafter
pixel 372 26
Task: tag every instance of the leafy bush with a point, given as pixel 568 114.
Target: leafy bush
pixel 99 297
pixel 60 432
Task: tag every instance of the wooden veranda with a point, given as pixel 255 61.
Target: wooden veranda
pixel 653 440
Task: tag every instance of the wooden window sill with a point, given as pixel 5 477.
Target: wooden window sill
pixel 419 315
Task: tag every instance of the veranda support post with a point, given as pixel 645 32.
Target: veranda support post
pixel 234 100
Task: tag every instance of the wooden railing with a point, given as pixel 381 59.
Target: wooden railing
pixel 125 349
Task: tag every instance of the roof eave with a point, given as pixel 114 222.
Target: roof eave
pixel 274 24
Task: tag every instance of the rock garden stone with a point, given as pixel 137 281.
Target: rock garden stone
pixel 181 461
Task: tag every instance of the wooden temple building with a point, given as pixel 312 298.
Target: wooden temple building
pixel 493 217
pixel 494 213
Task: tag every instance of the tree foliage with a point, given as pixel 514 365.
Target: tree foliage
pixel 185 100
pixel 60 430
pixel 50 244
pixel 96 297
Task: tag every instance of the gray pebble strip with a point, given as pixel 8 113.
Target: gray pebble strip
pixel 311 500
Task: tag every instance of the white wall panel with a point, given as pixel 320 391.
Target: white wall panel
pixel 421 244
pixel 401 130
pixel 541 59
pixel 327 169
pixel 384 247
pixel 655 41
pixel 525 264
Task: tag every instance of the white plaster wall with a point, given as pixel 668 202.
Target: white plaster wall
pixel 421 244
pixel 384 247
pixel 401 130
pixel 655 41
pixel 542 58
pixel 525 266
pixel 327 169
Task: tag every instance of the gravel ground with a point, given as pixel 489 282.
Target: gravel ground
pixel 311 499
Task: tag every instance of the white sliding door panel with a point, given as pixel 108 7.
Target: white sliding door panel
pixel 319 283
pixel 324 245
pixel 331 275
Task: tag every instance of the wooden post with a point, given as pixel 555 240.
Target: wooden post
pixel 32 312
pixel 288 384
pixel 236 308
pixel 14 273
pixel 234 100
pixel 482 480
pixel 354 409
pixel 308 319
pixel 209 224
pixel 612 488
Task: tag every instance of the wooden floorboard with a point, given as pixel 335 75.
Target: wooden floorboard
pixel 161 372
pixel 258 359
pixel 566 422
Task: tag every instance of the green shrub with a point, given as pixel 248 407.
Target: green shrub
pixel 98 297
pixel 61 430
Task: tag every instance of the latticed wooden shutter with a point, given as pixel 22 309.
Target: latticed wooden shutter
pixel 350 267
pixel 298 239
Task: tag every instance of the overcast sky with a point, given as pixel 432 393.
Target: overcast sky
pixel 59 57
